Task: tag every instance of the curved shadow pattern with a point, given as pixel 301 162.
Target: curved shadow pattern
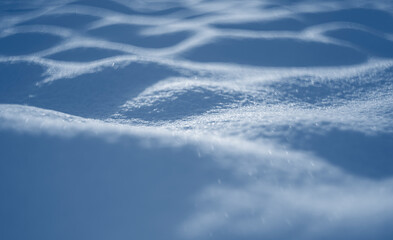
pixel 75 21
pixel 120 8
pixel 107 5
pixel 372 18
pixel 27 43
pixel 17 7
pixel 374 45
pixel 275 53
pixel 287 24
pixel 130 34
pixel 84 54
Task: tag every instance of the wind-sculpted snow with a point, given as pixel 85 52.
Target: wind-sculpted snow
pixel 196 119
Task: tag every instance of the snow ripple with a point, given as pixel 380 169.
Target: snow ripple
pixel 252 83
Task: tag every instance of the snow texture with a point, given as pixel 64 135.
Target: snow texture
pixel 196 119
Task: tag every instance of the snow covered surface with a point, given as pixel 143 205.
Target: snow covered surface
pixel 196 119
